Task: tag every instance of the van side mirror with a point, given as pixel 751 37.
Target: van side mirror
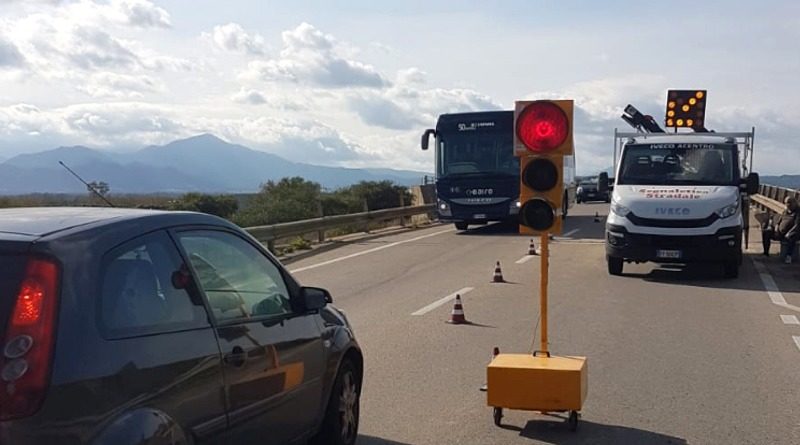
pixel 315 298
pixel 602 182
pixel 426 136
pixel 751 184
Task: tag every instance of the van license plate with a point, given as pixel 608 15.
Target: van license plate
pixel 669 254
pixel 479 216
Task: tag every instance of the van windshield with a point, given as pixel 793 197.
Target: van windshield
pixel 679 164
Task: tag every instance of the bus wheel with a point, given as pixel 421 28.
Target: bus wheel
pixel 462 225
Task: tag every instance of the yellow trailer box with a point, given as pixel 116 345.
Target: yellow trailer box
pixel 537 383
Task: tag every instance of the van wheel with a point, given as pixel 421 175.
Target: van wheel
pixel 614 265
pixel 461 225
pixel 731 269
pixel 340 426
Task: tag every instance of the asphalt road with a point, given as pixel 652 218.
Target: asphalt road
pixel 675 356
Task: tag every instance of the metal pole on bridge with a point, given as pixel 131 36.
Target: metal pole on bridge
pixel 543 282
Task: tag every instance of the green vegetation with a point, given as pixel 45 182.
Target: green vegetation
pixel 290 199
pixel 224 206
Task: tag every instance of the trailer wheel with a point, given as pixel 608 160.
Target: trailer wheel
pixel 572 421
pixel 498 416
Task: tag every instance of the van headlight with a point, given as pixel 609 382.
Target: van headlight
pixel 619 209
pixel 728 210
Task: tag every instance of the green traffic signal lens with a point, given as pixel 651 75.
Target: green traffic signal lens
pixel 537 214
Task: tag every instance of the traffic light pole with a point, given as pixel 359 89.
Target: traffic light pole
pixel 543 282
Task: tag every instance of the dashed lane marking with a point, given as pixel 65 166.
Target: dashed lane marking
pixel 796 340
pixel 375 249
pixel 525 259
pixel 790 319
pixel 442 301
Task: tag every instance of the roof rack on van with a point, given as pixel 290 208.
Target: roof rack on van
pixel 743 140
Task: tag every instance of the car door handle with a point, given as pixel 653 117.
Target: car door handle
pixel 236 358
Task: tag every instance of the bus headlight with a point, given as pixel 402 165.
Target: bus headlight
pixel 444 208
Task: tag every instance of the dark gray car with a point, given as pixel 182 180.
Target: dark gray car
pixel 143 327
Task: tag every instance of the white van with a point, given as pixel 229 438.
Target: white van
pixel 678 199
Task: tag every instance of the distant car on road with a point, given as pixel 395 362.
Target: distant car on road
pixel 145 327
pixel 588 191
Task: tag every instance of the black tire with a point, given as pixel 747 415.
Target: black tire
pixel 461 225
pixel 497 414
pixel 572 421
pixel 731 269
pixel 615 265
pixel 340 426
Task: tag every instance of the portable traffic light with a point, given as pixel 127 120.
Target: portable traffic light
pixel 686 109
pixel 542 137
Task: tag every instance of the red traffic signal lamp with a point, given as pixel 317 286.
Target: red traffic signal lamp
pixel 542 137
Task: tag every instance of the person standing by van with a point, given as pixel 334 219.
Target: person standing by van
pixel 787 229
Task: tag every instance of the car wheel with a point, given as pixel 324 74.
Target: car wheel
pixel 614 265
pixel 340 426
pixel 731 269
pixel 462 225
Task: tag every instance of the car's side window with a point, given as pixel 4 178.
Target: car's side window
pixel 238 280
pixel 137 294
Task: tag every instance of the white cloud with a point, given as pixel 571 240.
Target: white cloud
pixel 10 57
pixel 312 57
pixel 112 85
pixel 380 111
pixel 232 37
pixel 411 76
pixel 251 97
pixel 144 14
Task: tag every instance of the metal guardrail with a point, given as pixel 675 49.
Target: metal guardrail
pixel 268 234
pixel 770 198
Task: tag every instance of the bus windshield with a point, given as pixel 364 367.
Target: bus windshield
pixel 476 153
pixel 679 164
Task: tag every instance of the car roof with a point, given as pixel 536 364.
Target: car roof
pixel 36 222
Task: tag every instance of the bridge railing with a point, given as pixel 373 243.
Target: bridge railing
pixel 269 234
pixel 770 198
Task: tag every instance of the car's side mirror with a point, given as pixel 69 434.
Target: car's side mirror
pixel 602 182
pixel 751 184
pixel 426 137
pixel 315 298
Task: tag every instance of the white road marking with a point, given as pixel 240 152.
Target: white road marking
pixel 525 259
pixel 442 301
pixel 796 340
pixel 769 284
pixel 376 249
pixel 790 319
pixel 570 233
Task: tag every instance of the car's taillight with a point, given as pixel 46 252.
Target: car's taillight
pixel 28 343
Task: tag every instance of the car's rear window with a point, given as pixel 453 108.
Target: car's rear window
pixel 12 269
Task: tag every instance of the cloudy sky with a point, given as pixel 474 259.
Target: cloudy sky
pixel 355 83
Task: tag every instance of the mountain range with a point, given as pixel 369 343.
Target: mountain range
pixel 203 163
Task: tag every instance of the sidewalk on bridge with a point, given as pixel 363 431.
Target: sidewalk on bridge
pixel 786 276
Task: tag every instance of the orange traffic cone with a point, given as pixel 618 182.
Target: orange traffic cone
pixel 532 249
pixel 457 314
pixel 498 274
